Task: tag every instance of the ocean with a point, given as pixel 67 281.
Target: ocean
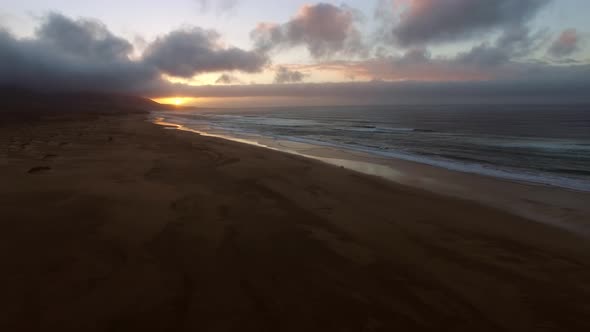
pixel 541 144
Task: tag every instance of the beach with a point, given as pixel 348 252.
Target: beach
pixel 110 222
pixel 561 207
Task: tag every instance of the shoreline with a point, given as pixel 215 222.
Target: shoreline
pixel 553 205
pixel 207 123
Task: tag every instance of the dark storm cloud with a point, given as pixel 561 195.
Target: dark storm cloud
pixel 71 55
pixel 285 75
pixel 324 29
pixel 432 21
pixel 82 38
pixel 566 44
pixel 187 52
pixel 77 55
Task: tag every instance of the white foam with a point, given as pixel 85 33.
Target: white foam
pixel 246 136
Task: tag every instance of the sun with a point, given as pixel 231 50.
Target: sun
pixel 175 101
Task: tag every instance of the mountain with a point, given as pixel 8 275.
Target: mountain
pixel 26 103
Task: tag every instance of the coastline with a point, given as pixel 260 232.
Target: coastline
pixel 561 207
pixel 113 223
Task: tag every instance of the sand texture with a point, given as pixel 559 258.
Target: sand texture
pixel 111 223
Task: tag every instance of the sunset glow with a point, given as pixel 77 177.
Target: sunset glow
pixel 222 53
pixel 177 101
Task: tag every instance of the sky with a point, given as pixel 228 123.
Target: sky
pixel 225 52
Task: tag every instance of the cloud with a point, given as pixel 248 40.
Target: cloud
pixel 505 58
pixel 520 41
pixel 219 6
pixel 71 55
pixel 190 51
pixel 566 44
pixel 324 29
pixel 83 55
pixel 434 21
pixel 67 55
pixel 480 63
pixel 228 79
pixel 285 75
pixel 542 84
pixel 82 38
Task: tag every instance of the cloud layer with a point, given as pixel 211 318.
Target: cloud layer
pixel 71 55
pixel 538 87
pixel 285 75
pixel 226 78
pixel 500 59
pixel 566 44
pixel 219 6
pixel 83 55
pixel 83 38
pixel 428 21
pixel 185 53
pixel 324 29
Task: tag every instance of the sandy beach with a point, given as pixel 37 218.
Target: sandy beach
pixel 112 223
pixel 561 207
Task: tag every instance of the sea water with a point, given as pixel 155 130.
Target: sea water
pixel 543 144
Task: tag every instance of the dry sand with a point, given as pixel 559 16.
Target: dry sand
pixel 110 223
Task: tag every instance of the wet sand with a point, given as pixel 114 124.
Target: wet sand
pixel 111 223
pixel 564 208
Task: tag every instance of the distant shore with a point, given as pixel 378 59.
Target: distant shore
pixel 110 222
